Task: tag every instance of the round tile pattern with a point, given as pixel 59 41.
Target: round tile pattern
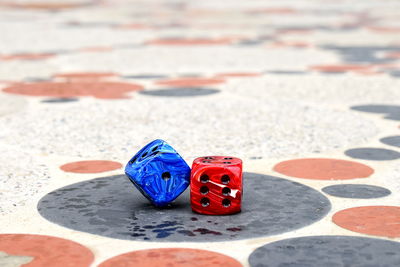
pixel 371 153
pixel 112 207
pixel 190 82
pixel 190 42
pixel 391 140
pixel 370 220
pixel 91 166
pixel 60 100
pixel 171 257
pixel 392 112
pixel 46 250
pixel 180 92
pixel 335 251
pixel 323 169
pixel 105 90
pixel 356 191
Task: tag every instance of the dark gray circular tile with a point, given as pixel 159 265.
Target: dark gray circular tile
pixel 144 76
pixel 332 251
pixel 59 100
pixel 391 140
pixel 112 207
pixel 180 92
pixel 356 191
pixel 370 153
pixel 287 72
pixel 392 111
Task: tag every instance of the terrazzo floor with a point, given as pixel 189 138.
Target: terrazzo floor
pixel 305 92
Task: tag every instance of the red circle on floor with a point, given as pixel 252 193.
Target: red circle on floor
pixel 323 169
pixel 190 82
pixel 371 220
pixel 46 250
pixel 98 89
pixel 340 68
pixel 27 56
pixel 171 257
pixel 91 166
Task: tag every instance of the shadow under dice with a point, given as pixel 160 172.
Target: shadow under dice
pixel 216 185
pixel 159 173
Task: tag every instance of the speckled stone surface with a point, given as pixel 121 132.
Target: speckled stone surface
pixel 111 207
pixel 356 191
pixel 7 260
pixel 327 251
pixel 11 104
pixel 207 125
pixel 270 82
pixel 22 178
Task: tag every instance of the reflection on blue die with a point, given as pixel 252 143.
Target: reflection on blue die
pixel 159 173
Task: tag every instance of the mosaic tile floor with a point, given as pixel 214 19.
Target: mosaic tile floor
pixel 305 92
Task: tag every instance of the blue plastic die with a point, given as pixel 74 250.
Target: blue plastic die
pixel 159 173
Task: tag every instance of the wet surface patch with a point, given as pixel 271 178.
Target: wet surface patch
pixel 112 207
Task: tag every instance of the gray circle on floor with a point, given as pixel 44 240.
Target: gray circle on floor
pixel 59 100
pixel 362 191
pixel 392 111
pixel 180 92
pixel 370 153
pixel 331 251
pixel 112 207
pixel 144 76
pixel 391 140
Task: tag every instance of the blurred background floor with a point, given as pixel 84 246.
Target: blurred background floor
pixel 305 92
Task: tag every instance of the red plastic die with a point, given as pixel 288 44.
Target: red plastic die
pixel 216 186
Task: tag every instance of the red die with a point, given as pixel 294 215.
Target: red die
pixel 216 186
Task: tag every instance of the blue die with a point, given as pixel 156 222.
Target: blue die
pixel 159 173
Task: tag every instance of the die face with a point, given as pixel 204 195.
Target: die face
pixel 159 173
pixel 216 185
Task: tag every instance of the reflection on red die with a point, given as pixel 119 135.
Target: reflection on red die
pixel 216 185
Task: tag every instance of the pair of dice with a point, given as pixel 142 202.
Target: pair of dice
pixel 161 175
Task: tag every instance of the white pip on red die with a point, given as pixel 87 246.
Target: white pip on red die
pixel 216 185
